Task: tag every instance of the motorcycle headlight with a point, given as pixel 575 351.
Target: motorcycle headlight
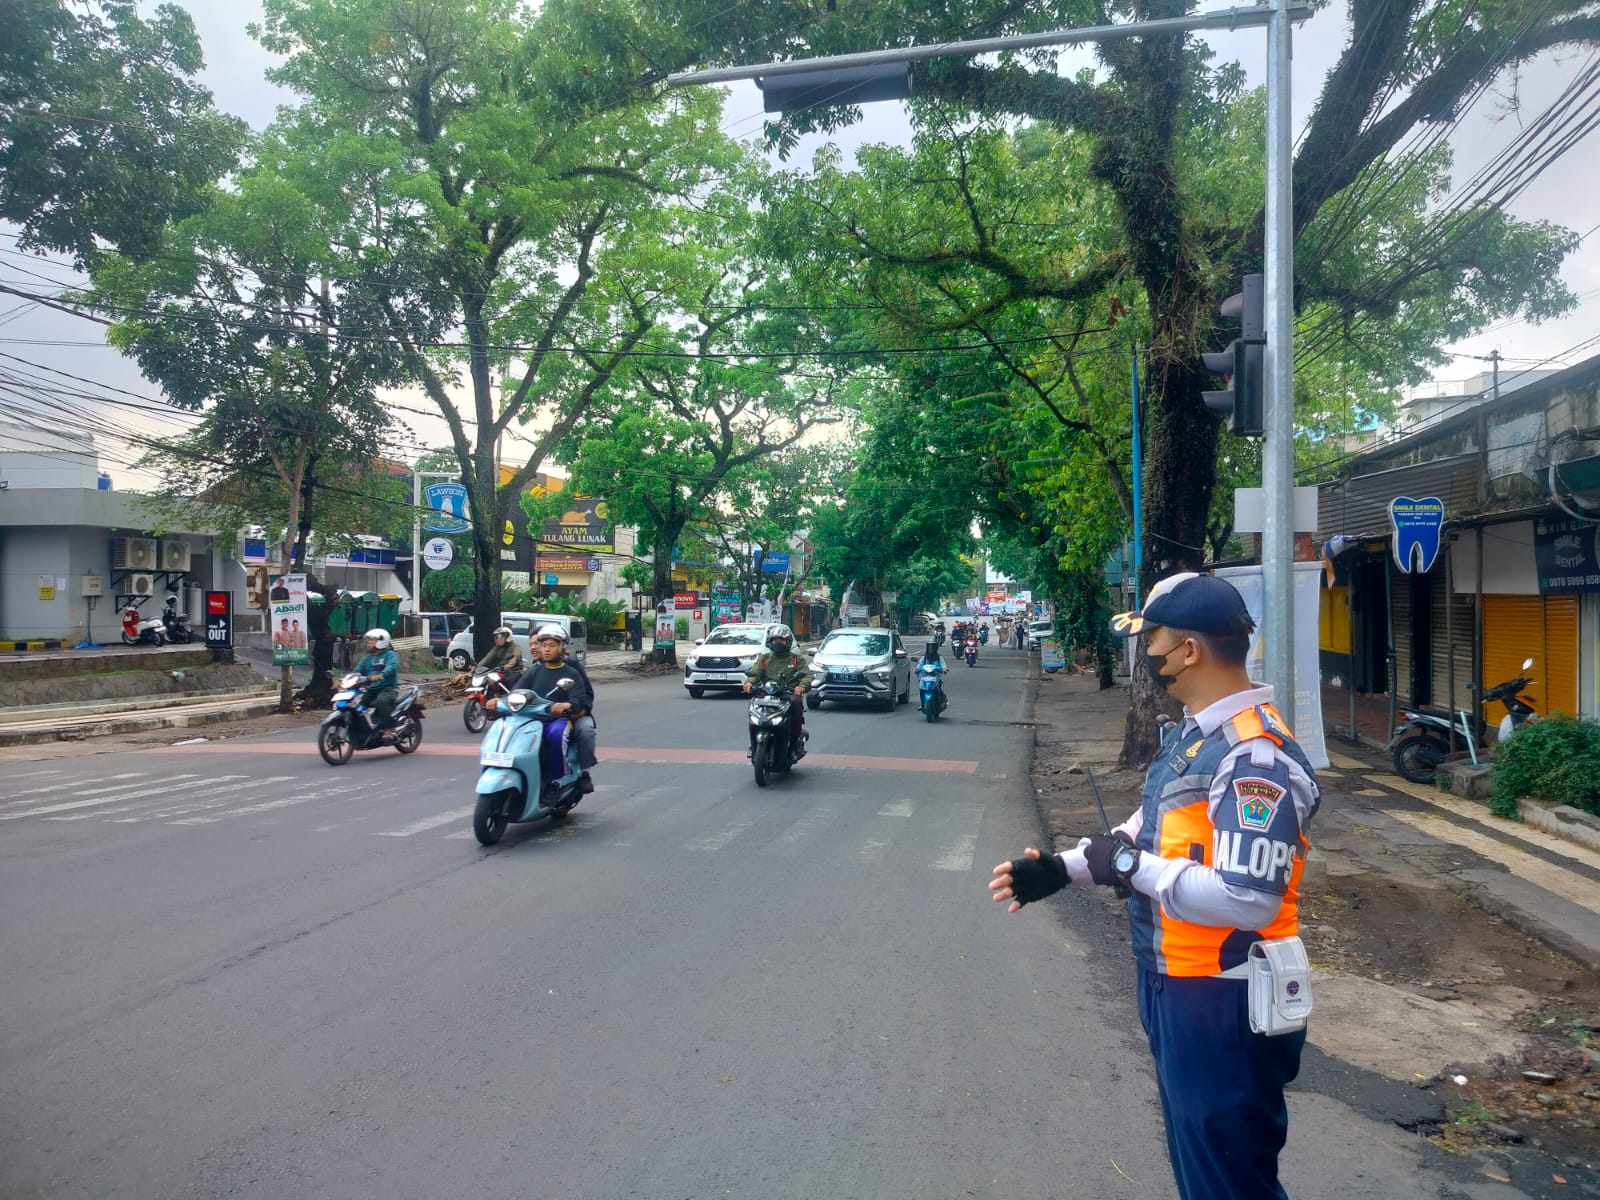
pixel 516 701
pixel 777 718
pixel 350 680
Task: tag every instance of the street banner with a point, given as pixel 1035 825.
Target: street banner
pixel 290 644
pixel 1307 676
pixel 666 625
pixel 725 608
pixel 1567 554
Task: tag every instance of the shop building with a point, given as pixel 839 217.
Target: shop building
pixel 1464 547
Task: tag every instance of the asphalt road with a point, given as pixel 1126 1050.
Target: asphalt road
pixel 229 969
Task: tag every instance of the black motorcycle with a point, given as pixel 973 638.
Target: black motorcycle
pixel 348 727
pixel 1424 740
pixel 772 750
pixel 176 625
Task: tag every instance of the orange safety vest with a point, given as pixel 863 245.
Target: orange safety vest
pixel 1259 839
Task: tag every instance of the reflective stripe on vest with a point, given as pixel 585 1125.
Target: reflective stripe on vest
pixel 1177 824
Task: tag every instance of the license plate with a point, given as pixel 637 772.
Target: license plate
pixel 496 758
pixel 721 676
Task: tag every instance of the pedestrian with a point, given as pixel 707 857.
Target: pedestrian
pixel 1211 863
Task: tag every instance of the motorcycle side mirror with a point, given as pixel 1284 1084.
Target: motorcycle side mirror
pixel 1527 663
pixel 564 684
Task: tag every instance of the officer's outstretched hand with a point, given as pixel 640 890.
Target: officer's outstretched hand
pixel 1031 877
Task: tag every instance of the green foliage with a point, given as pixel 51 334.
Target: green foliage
pixel 1557 759
pixel 104 134
pixel 601 613
pixel 450 588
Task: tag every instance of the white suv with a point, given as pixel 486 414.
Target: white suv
pixel 722 658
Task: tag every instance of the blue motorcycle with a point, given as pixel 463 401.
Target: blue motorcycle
pixel 933 699
pixel 527 767
pixel 348 727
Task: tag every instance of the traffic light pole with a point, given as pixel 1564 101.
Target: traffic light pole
pixel 1277 452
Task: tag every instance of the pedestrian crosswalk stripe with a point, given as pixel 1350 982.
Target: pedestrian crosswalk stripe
pixel 897 808
pixel 117 795
pixel 957 854
pixel 427 823
pixel 804 829
pixel 721 838
pixel 79 786
pixel 874 849
pixel 264 806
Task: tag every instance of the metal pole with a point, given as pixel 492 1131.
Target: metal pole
pixel 1277 459
pixel 416 538
pixel 1138 487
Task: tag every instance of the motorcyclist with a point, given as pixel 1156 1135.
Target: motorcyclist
pixel 930 658
pixel 576 703
pixel 788 669
pixel 379 668
pixel 505 655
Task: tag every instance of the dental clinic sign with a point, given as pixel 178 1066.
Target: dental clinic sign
pixel 1418 526
pixel 1567 555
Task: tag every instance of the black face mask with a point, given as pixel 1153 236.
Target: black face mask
pixel 1156 661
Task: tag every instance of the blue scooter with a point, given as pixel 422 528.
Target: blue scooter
pixel 527 768
pixel 933 699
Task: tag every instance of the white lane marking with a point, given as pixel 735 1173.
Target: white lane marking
pixel 161 810
pixel 166 788
pixel 428 823
pixel 80 786
pixel 957 854
pixel 461 835
pixel 897 808
pixel 874 850
pixel 721 838
pixel 804 829
pixel 250 810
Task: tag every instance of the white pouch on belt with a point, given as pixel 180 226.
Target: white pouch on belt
pixel 1280 986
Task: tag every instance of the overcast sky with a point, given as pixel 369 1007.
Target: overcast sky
pixel 1566 193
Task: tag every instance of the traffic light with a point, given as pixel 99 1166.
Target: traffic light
pixel 836 85
pixel 1244 362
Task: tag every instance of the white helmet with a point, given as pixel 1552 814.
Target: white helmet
pixel 379 638
pixel 504 631
pixel 551 631
pixel 780 633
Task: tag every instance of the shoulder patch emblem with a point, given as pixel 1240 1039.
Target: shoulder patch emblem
pixel 1194 749
pixel 1258 801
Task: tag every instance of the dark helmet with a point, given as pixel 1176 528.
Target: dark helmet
pixel 931 648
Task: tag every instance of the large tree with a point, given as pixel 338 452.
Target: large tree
pixel 104 133
pixel 517 218
pixel 248 318
pixel 1167 145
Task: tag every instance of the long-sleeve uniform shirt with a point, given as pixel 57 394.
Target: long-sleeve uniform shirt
pixel 1223 835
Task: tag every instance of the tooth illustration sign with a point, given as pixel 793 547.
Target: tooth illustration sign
pixel 1417 528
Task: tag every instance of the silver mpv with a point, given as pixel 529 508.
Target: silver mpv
pixel 864 665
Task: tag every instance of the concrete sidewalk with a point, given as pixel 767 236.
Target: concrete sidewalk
pixel 1371 820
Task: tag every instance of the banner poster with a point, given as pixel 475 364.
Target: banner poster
pixel 666 625
pixel 290 644
pixel 1307 725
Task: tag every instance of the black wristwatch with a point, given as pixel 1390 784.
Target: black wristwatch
pixel 1124 862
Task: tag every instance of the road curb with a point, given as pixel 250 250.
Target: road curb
pixel 136 723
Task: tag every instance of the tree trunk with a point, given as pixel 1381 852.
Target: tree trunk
pixel 286 672
pixel 661 552
pixel 1178 431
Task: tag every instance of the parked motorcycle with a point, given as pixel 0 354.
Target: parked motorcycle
pixel 1518 709
pixel 931 682
pixel 774 751
pixel 135 631
pixel 1424 740
pixel 348 727
pixel 972 651
pixel 174 623
pixel 484 685
pixel 527 767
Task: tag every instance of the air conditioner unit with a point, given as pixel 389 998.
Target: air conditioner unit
pixel 140 585
pixel 174 556
pixel 133 554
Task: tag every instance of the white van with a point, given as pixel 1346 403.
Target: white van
pixel 522 626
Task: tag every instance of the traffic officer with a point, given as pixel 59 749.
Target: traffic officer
pixel 1212 863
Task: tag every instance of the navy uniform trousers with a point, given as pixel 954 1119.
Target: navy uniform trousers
pixel 1221 1086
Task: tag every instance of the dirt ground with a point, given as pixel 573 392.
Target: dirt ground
pixel 1401 947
